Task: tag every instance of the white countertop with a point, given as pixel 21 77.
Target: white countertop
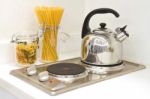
pixel 134 85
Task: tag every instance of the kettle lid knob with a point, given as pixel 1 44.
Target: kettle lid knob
pixel 103 25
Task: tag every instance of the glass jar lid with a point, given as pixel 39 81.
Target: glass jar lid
pixel 24 37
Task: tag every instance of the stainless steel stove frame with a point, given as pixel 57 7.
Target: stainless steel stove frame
pixel 54 86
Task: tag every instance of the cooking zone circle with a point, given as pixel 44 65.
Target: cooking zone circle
pixel 67 72
pixel 66 69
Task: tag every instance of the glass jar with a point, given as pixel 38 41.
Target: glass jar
pixel 48 43
pixel 26 48
pixel 49 47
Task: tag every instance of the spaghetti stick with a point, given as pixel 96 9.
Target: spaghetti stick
pixel 49 18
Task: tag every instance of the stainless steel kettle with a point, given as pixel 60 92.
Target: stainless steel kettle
pixel 102 47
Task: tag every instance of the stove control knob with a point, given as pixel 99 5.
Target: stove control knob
pixel 43 76
pixel 31 70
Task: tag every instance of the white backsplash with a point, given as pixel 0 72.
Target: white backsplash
pixel 135 14
pixel 7 52
pixel 18 15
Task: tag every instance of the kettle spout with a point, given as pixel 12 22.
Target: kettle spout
pixel 121 34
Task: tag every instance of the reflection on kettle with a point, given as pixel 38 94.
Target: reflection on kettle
pixel 102 47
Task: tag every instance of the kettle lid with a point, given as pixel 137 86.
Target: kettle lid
pixel 102 29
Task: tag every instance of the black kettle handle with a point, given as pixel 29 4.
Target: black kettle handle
pixel 86 29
